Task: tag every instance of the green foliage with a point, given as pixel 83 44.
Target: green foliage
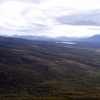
pixel 36 70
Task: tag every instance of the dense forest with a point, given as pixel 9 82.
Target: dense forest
pixel 43 70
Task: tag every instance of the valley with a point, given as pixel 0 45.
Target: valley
pixel 49 70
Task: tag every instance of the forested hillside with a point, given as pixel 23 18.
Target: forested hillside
pixel 39 70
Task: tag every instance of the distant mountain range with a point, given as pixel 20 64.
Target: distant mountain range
pixel 95 38
pixel 42 38
pixel 45 38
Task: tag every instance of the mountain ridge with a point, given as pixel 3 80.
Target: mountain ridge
pixel 94 38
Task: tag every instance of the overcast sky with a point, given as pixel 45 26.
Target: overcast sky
pixel 50 17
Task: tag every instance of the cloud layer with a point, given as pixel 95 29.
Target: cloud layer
pixel 89 18
pixel 49 17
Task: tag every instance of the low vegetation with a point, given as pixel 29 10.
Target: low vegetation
pixel 39 70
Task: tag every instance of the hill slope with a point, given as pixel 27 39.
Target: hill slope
pixel 36 70
pixel 94 38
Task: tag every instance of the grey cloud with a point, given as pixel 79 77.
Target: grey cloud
pixel 25 11
pixel 24 30
pixel 34 28
pixel 31 1
pixel 2 1
pixel 95 28
pixel 27 1
pixel 87 19
pixel 40 27
pixel 1 27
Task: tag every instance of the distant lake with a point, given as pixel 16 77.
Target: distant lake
pixel 67 42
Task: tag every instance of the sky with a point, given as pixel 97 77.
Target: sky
pixel 71 18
